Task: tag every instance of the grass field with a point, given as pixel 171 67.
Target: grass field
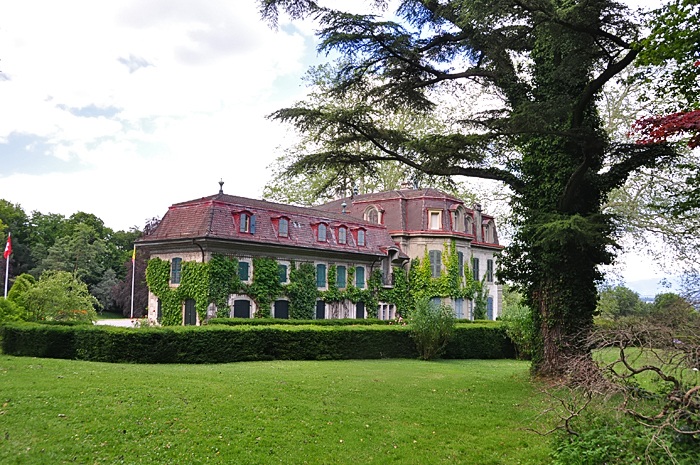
pixel 379 411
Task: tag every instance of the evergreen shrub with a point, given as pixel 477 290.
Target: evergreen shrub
pixel 223 344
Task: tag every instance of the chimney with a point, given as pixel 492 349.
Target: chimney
pixel 406 185
pixel 477 222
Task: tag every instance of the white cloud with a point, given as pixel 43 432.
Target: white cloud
pixel 183 89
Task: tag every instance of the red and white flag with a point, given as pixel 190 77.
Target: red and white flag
pixel 8 247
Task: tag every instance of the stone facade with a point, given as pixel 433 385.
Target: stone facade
pixel 370 231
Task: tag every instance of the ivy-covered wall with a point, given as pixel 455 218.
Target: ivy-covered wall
pixel 216 280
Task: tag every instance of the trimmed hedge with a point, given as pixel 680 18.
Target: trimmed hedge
pixel 65 322
pixel 223 344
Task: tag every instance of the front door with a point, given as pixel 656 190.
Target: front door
pixel 241 309
pixel 282 309
pixel 360 310
pixel 320 310
pixel 190 312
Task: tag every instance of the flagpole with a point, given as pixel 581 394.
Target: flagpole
pixel 7 261
pixel 133 275
pixel 7 272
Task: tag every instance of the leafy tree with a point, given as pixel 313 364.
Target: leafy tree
pixel 672 50
pixel 58 295
pixel 81 253
pixel 295 181
pixel 620 301
pixel 22 284
pixel 121 292
pixel 16 222
pixel 540 66
pixel 517 321
pixel 102 291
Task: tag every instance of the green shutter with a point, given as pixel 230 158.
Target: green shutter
pixel 252 224
pixel 360 277
pixel 283 273
pixel 475 266
pixel 489 270
pixel 341 277
pixel 243 270
pixel 175 271
pixel 435 263
pixel 320 275
pixel 460 257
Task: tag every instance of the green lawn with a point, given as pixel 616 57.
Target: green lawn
pixel 110 316
pixel 378 411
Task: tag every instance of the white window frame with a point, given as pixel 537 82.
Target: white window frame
pixel 438 213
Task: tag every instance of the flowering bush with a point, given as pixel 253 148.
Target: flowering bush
pixel 58 296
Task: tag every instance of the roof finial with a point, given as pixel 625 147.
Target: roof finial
pixel 221 186
pixel 344 205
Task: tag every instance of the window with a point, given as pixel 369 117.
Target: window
pixel 460 258
pixel 435 263
pixel 247 223
pixel 243 270
pixel 341 276
pixel 282 269
pixel 475 268
pixel 458 221
pixel 372 215
pixel 176 271
pixel 489 271
pixel 320 275
pixel 470 226
pixel 360 277
pixel 435 222
pixel 322 233
pixel 284 228
pixel 342 236
pixel 361 238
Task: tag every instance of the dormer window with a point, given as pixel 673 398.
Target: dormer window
pixel 247 223
pixel 283 228
pixel 435 219
pixel 458 220
pixel 322 233
pixel 372 214
pixel 342 235
pixel 470 226
pixel 361 237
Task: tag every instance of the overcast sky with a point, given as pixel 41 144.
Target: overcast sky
pixel 123 108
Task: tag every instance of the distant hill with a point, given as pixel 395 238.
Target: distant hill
pixel 650 287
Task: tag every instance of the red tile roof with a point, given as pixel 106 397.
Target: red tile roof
pixel 218 216
pixel 404 210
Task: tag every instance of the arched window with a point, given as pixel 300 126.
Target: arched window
pixel 361 237
pixel 372 214
pixel 342 235
pixel 322 233
pixel 458 220
pixel 470 226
